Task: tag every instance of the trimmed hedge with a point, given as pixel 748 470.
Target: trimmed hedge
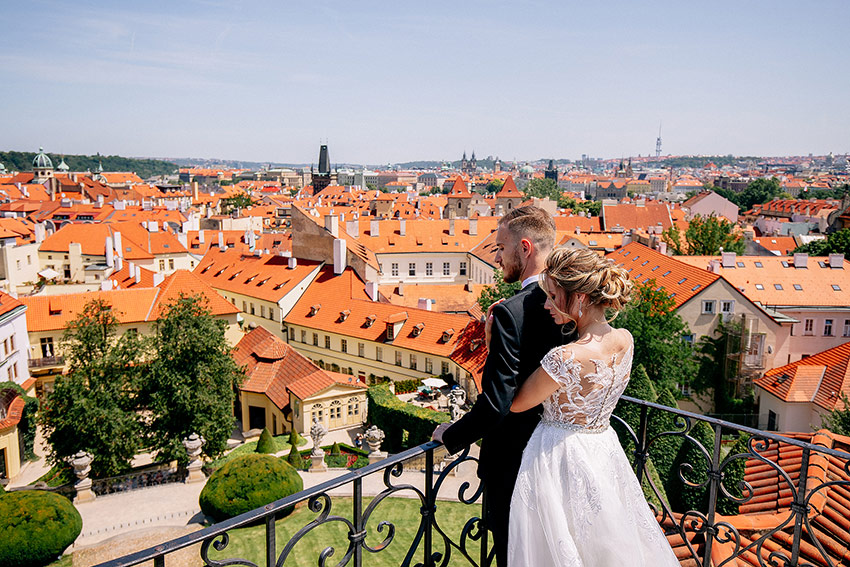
pixel 405 425
pixel 247 483
pixel 27 425
pixel 266 444
pixel 407 386
pixel 36 527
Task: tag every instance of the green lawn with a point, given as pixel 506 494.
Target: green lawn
pixel 281 444
pixel 403 513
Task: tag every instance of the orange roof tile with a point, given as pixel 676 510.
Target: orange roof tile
pixel 508 190
pixel 820 378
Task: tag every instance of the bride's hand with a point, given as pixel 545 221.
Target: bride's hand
pixel 488 323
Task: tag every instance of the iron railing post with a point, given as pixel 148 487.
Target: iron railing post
pixel 640 447
pixel 271 551
pixel 159 561
pixel 799 507
pixel 714 478
pixel 430 507
pixel 485 535
pixel 357 520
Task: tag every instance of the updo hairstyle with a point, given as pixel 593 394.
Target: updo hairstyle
pixel 581 270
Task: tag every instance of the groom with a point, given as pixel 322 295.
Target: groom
pixel 522 333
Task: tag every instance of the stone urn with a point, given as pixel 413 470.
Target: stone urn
pixel 81 462
pixel 374 437
pixel 317 455
pixel 193 445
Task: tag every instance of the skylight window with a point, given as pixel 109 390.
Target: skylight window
pixel 759 287
pixel 798 287
pixel 683 280
pixel 665 273
pixel 626 253
pixel 784 264
pixel 654 268
pixel 205 270
pixel 696 287
pixel 740 264
pixel 644 263
pixel 777 286
pixel 758 265
pixel 836 287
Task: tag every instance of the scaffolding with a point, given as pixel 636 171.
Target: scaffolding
pixel 745 353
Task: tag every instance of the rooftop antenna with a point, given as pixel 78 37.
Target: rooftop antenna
pixel 658 142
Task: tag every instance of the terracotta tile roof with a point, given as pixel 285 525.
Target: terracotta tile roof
pixel 184 282
pixel 820 378
pixel 335 294
pixel 470 352
pixel 8 303
pixel 123 280
pixel 459 189
pixel 266 277
pixel 452 297
pixel 780 245
pixel 14 411
pixel 572 223
pixel 422 235
pixel 121 177
pixel 682 280
pixel 628 216
pixel 92 238
pixel 508 190
pixel 274 368
pixel 766 280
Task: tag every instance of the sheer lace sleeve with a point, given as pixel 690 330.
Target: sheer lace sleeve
pixel 560 364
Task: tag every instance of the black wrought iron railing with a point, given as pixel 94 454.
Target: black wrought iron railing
pixel 46 361
pixel 802 526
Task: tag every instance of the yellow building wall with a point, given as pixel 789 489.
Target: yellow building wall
pixel 9 444
pixel 276 423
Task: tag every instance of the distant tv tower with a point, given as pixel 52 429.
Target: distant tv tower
pixel 658 142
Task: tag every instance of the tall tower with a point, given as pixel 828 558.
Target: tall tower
pixel 658 142
pixel 322 178
pixel 551 172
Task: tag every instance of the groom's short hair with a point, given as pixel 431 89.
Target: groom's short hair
pixel 533 223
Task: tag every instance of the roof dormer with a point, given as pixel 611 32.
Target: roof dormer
pixel 315 309
pixel 395 323
pixel 447 335
pixel 343 315
pixel 418 328
pixel 370 320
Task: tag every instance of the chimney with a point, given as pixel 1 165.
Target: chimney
pixel 110 253
pixel 836 261
pixel 451 227
pixel 372 290
pixel 119 263
pixel 373 228
pixel 131 269
pixel 157 279
pixel 106 285
pixel 332 225
pixel 201 236
pixel 473 227
pixel 402 227
pixel 194 191
pixel 401 289
pixel 727 259
pixel 424 303
pixel 183 238
pixel 153 226
pixel 714 266
pixel 138 276
pixel 339 256
pixel 662 247
pixel 119 247
pixel 221 245
pixel 801 260
pixel 293 263
pixel 627 238
pixel 39 231
pixel 100 201
pixel 352 227
pixel 578 230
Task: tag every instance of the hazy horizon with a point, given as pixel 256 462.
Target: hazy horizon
pixel 264 82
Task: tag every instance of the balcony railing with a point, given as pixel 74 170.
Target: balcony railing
pixel 46 361
pixel 803 525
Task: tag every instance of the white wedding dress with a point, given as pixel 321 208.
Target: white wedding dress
pixel 577 502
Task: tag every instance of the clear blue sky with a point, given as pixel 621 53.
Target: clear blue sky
pixel 396 81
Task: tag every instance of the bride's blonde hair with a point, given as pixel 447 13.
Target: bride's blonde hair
pixel 581 270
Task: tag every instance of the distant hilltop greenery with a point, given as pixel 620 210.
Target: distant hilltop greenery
pixel 702 161
pixel 144 168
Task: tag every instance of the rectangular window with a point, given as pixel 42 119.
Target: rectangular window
pixel 809 327
pixel 304 336
pixel 413 362
pixel 446 269
pixel 429 268
pixel 315 339
pixel 252 309
pixel 162 265
pixel 462 269
pixel 327 342
pixel 343 345
pixel 379 353
pixel 429 367
pixel 398 358
pixel 244 307
pixel 394 268
pixel 444 366
pixel 847 327
pixel 47 347
pixel 263 311
pixel 171 263
pixel 727 307
pixel 827 328
pixel 361 349
pixel 291 333
pixel 411 269
pixel 708 306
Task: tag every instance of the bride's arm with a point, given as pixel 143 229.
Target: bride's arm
pixel 536 388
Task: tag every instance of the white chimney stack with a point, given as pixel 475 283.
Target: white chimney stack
pixel 372 290
pixel 183 238
pixel 402 227
pixel 221 240
pixel 727 259
pixel 157 279
pixel 473 227
pixel 424 303
pixel 340 259
pixel 153 226
pixel 201 236
pixel 352 227
pixel 332 225
pixel 110 253
pixel 451 227
pixel 118 246
pixel 373 228
pixel 401 289
pixel 119 263
pixel 836 260
pixel 801 260
pixel 138 275
pixel 131 269
pixel 293 262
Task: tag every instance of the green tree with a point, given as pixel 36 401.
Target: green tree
pixel 93 407
pixel 838 420
pixel 189 387
pixel 494 186
pixel 542 189
pixel 236 202
pixel 758 191
pixel 673 237
pixel 706 236
pixel 499 290
pixel 266 444
pixel 658 333
pixel 835 243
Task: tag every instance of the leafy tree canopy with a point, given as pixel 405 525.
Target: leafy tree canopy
pixel 236 202
pixel 658 333
pixel 144 168
pixel 835 243
pixel 759 191
pixel 705 236
pixel 542 189
pixel 499 290
pixel 838 420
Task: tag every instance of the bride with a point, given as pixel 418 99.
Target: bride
pixel 577 501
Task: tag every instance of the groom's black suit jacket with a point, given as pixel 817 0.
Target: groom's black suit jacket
pixel 522 333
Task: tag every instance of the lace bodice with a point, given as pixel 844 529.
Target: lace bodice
pixel 584 401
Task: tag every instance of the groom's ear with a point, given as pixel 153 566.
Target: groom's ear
pixel 527 247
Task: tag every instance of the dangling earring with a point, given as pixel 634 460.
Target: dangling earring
pixel 579 309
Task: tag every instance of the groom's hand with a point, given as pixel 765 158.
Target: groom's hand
pixel 438 432
pixel 488 323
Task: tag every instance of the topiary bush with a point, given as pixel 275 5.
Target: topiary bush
pixel 36 527
pixel 266 444
pixel 406 386
pixel 295 439
pixel 335 449
pixel 405 425
pixel 294 457
pixel 247 483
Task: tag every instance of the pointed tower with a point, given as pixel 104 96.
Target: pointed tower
pixel 322 177
pixel 551 172
pixel 459 199
pixel 42 167
pixel 508 198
